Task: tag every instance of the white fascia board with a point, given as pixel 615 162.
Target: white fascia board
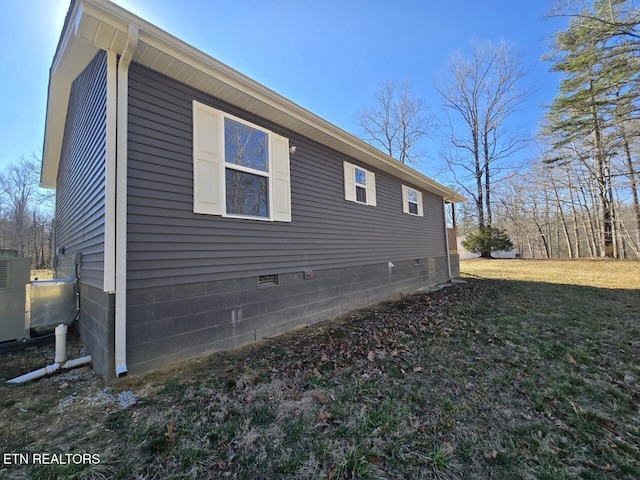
pixel 71 59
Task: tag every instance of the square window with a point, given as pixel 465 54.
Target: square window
pixel 247 194
pixel 245 146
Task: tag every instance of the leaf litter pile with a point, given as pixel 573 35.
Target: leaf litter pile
pixel 490 379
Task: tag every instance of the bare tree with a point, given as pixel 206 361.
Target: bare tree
pixel 479 100
pixel 396 121
pixel 25 213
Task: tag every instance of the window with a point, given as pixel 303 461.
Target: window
pixel 240 170
pixel 412 201
pixel 246 155
pixel 359 185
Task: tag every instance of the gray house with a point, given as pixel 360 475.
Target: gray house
pixel 202 211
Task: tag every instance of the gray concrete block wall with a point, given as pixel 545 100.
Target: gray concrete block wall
pixel 168 324
pixel 96 326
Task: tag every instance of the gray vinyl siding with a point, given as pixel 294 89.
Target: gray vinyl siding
pixel 170 245
pixel 80 190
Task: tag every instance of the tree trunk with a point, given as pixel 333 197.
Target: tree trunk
pixel 632 182
pixel 562 218
pixel 601 180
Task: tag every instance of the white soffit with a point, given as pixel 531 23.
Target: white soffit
pixel 104 25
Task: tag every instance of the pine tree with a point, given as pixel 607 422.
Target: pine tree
pixel 597 53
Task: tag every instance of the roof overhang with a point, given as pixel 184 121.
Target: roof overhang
pixel 94 25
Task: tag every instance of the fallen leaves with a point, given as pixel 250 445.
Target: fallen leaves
pixel 322 418
pixel 491 454
pixel 172 432
pixel 319 396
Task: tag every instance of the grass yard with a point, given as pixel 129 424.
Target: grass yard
pixel 530 370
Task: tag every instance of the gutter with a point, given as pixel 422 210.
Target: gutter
pixel 121 203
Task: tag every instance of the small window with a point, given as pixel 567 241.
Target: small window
pixel 359 185
pixel 411 201
pixel 267 281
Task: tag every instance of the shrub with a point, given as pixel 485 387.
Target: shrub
pixel 486 240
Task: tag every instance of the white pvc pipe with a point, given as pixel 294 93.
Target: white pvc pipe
pixel 49 369
pixel 60 359
pixel 77 362
pixel 61 344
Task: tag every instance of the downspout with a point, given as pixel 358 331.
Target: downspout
pixel 446 237
pixel 121 203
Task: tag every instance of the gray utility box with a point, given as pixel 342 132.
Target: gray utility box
pixel 14 277
pixel 51 302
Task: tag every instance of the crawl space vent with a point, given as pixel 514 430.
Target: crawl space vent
pixel 267 281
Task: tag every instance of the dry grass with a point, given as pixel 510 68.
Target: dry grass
pixel 531 370
pixel 597 273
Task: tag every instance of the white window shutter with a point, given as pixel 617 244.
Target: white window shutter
pixel 405 199
pixel 281 186
pixel 208 169
pixel 350 182
pixel 371 188
pixel 420 208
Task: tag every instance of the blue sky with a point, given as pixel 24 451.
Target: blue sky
pixel 328 56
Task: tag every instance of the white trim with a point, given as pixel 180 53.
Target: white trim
pixel 109 281
pixel 252 171
pixel 120 346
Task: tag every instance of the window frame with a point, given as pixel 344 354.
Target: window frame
pixel 351 185
pixel 248 170
pixel 359 185
pixel 406 202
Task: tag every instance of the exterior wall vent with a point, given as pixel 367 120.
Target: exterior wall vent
pixel 267 281
pixel 4 274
